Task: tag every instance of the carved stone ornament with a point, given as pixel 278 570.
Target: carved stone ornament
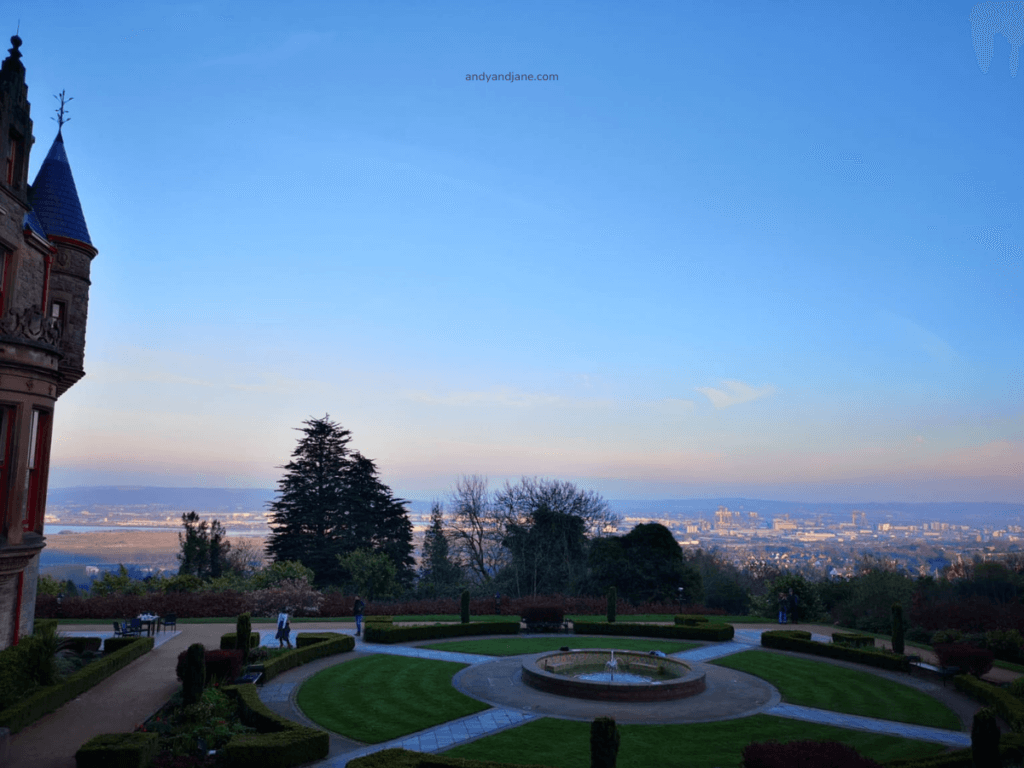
pixel 32 324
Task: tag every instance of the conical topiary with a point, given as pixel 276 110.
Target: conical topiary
pixel 897 628
pixel 985 739
pixel 243 632
pixel 194 678
pixel 613 599
pixel 604 743
pixel 465 606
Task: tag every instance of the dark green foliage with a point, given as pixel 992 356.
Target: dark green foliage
pixel 229 641
pixel 322 645
pixel 645 564
pixel 688 620
pixel 710 632
pixel 464 607
pixel 853 639
pixel 439 573
pixel 193 677
pixel 898 629
pixel 868 598
pixel 243 636
pixel 985 739
pixel 386 634
pixel 118 750
pixel 204 551
pixel 613 600
pixel 604 743
pixel 43 626
pixel 976 661
pixel 799 641
pixel 542 618
pixel 330 503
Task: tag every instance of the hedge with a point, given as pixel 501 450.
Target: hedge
pixel 386 634
pixel 229 640
pixel 1006 705
pixel 82 645
pixel 713 632
pixel 854 639
pixel 323 644
pixel 45 700
pixel 1011 749
pixel 280 743
pixel 690 620
pixel 402 758
pixel 787 640
pixel 118 750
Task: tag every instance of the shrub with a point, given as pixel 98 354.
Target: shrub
pixel 898 639
pixel 386 634
pixel 229 641
pixel 976 661
pixel 604 743
pixel 712 632
pixel 797 754
pixel 222 666
pixel 193 674
pixel 326 644
pixel 124 750
pixel 800 642
pixel 853 639
pixel 613 599
pixel 464 608
pixel 243 630
pixel 689 620
pixel 985 739
pixel 1007 706
pixel 1006 644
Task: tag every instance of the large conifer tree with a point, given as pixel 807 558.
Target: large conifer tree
pixel 330 503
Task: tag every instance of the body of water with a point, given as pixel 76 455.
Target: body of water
pixel 57 529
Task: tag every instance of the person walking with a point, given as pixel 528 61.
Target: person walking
pixel 783 605
pixel 794 601
pixel 357 610
pixel 284 629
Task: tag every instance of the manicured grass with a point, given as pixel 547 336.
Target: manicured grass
pixel 566 744
pixel 518 645
pixel 826 686
pixel 377 698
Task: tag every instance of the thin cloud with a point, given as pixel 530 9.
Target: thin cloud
pixel 736 392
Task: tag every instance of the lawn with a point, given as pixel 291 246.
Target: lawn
pixel 566 744
pixel 378 698
pixel 826 686
pixel 520 645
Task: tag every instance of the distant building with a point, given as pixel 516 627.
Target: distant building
pixel 45 258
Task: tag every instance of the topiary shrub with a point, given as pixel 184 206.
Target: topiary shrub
pixel 985 739
pixel 613 599
pixel 243 631
pixel 465 606
pixel 772 754
pixel 898 640
pixel 604 743
pixel 193 675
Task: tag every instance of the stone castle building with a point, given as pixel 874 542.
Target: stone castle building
pixel 45 257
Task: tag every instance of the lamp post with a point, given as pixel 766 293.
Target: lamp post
pixel 680 600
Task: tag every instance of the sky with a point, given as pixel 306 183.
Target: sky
pixel 767 249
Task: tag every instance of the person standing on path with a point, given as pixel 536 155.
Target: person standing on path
pixel 357 610
pixel 783 605
pixel 794 601
pixel 284 629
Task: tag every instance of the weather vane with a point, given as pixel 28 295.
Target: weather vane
pixel 61 118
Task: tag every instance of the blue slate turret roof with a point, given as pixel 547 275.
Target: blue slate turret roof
pixel 33 223
pixel 54 197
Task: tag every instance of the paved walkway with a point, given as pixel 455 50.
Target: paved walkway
pixel 132 695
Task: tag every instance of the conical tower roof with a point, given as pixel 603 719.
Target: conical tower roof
pixel 54 197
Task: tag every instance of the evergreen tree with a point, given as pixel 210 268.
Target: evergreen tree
pixel 330 503
pixel 437 570
pixel 204 550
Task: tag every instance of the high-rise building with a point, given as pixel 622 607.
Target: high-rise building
pixel 45 258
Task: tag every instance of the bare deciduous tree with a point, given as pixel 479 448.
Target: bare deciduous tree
pixel 475 528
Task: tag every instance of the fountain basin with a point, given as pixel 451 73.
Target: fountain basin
pixel 637 676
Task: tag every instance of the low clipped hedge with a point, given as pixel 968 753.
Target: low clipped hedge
pixel 229 640
pixel 800 642
pixel 773 754
pixel 45 700
pixel 388 635
pixel 118 750
pixel 1006 705
pixel 115 644
pixel 710 632
pixel 853 639
pixel 82 645
pixel 1011 748
pixel 280 742
pixel 403 758
pixel 309 646
pixel 378 619
pixel 690 620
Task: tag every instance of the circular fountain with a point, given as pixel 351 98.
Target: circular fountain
pixel 612 675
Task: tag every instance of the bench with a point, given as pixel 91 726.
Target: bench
pixel 249 677
pixel 546 626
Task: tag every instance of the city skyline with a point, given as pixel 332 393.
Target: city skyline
pixel 770 253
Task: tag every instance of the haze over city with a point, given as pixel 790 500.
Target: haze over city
pixel 769 250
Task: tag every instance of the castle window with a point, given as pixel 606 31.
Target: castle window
pixel 38 467
pixel 13 158
pixel 59 311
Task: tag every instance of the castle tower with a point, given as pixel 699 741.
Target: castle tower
pixel 45 256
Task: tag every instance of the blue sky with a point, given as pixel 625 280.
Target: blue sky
pixel 762 249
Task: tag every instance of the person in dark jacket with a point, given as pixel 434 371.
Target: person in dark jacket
pixel 794 601
pixel 357 610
